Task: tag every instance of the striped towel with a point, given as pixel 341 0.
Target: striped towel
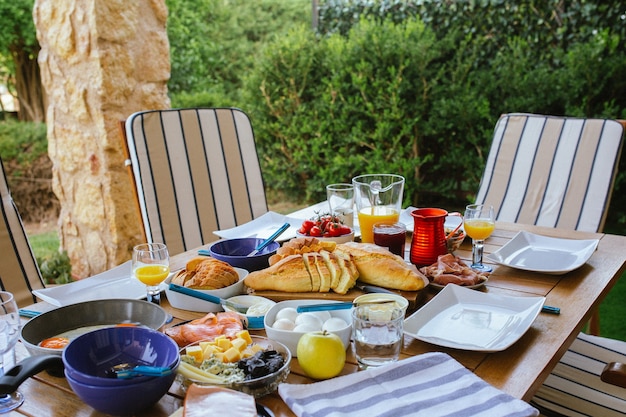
pixel 432 384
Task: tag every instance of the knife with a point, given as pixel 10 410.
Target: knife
pixel 373 288
pixel 208 297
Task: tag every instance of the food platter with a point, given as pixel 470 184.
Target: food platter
pixel 548 255
pixel 461 318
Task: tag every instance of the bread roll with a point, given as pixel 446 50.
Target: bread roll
pixel 377 266
pixel 206 274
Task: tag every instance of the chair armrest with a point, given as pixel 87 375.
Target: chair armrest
pixel 614 373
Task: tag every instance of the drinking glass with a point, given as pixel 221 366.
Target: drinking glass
pixel 341 202
pixel 151 265
pixel 479 223
pixel 378 199
pixel 9 333
pixel 377 333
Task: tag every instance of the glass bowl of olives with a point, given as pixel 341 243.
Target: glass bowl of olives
pixel 255 366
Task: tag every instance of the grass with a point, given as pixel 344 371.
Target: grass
pixel 612 310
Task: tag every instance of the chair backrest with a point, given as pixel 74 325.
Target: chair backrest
pixel 552 171
pixel 196 171
pixel 19 273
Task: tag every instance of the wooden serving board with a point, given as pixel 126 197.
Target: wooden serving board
pixel 415 298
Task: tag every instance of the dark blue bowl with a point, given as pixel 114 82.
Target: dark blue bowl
pixel 88 357
pixel 235 251
pixel 122 399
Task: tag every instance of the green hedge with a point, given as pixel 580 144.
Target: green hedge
pixel 420 96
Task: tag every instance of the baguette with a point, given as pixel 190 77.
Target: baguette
pixel 377 266
pixel 288 275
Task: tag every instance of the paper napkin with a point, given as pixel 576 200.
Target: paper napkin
pixel 432 384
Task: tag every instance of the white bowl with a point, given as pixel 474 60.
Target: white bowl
pixel 187 302
pixel 290 338
pixel 338 239
pixel 255 321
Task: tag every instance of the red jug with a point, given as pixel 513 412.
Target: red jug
pixel 429 236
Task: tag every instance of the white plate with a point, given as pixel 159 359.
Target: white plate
pixel 451 222
pixel 548 255
pixel 461 318
pixel 117 282
pixel 263 227
pixel 187 302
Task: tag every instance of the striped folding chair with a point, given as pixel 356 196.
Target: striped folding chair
pixel 19 273
pixel 552 171
pixel 560 172
pixel 195 171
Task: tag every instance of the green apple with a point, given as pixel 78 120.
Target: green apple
pixel 321 355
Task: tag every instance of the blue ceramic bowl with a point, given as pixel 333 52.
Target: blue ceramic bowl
pixel 88 357
pixel 235 251
pixel 122 399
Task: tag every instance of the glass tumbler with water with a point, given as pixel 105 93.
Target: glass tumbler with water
pixel 341 202
pixel 377 333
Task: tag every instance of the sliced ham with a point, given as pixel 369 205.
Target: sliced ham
pixel 450 269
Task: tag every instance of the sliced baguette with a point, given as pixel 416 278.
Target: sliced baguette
pixel 288 275
pixel 349 274
pixel 333 267
pixel 309 262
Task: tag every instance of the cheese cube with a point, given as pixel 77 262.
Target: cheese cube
pixel 195 352
pixel 232 355
pixel 245 335
pixel 239 344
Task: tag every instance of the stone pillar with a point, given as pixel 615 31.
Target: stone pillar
pixel 100 61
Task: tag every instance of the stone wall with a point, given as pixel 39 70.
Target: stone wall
pixel 101 60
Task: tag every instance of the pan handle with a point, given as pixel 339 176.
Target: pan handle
pixel 28 367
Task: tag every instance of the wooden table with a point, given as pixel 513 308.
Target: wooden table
pixel 518 370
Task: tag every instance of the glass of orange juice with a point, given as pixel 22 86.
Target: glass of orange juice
pixel 479 223
pixel 151 265
pixel 378 199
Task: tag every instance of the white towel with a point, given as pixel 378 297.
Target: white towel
pixel 432 384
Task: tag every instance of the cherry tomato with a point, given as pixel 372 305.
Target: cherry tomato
pixel 316 231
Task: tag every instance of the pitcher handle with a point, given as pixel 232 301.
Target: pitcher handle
pixel 456 213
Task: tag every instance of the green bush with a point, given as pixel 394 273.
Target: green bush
pixel 22 142
pixel 382 91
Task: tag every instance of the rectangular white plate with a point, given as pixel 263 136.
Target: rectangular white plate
pixel 265 225
pixel 115 283
pixel 548 255
pixel 465 319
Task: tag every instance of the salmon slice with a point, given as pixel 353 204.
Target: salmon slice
pixel 206 328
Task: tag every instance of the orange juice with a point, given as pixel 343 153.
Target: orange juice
pixel 152 275
pixel 479 229
pixel 369 216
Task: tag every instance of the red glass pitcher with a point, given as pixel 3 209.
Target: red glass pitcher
pixel 429 235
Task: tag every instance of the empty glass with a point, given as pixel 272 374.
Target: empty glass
pixel 9 333
pixel 341 202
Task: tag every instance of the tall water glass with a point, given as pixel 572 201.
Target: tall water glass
pixel 378 199
pixel 341 202
pixel 479 223
pixel 9 333
pixel 151 266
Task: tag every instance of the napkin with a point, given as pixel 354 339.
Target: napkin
pixel 432 384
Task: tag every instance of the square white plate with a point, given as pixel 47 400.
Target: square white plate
pixel 465 319
pixel 115 283
pixel 548 255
